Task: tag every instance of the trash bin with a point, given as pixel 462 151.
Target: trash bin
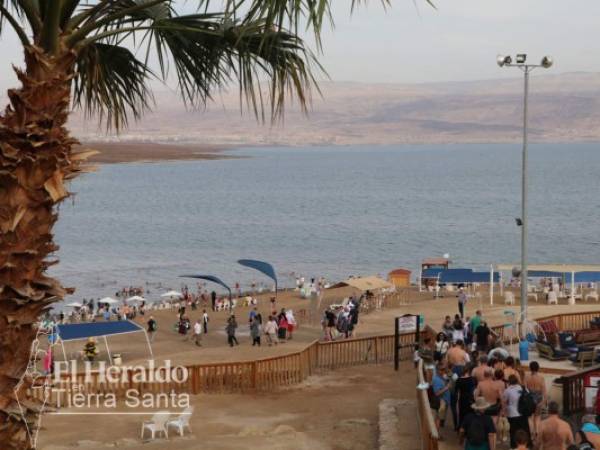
pixel 117 360
pixel 524 350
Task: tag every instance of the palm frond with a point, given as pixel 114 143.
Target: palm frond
pixel 111 83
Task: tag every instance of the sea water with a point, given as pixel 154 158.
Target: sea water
pixel 325 211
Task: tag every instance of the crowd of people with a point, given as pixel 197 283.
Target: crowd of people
pixel 489 397
pixel 277 328
pixel 340 321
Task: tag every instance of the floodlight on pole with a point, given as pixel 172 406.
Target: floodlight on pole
pixel 506 61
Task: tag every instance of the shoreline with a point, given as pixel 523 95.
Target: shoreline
pixel 152 152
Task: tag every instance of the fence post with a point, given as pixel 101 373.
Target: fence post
pixel 376 349
pixel 254 380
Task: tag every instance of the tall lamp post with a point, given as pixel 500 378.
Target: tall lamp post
pixel 520 62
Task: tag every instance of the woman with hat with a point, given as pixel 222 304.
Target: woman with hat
pixel 477 430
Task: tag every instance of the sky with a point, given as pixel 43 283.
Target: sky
pixel 412 42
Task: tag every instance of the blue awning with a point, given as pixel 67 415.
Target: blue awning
pixel 580 277
pixel 75 331
pixel 458 276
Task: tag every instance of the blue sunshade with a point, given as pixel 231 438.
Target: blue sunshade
pixel 75 331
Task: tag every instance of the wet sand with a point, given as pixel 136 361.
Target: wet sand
pixel 127 152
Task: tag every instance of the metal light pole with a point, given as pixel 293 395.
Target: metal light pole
pixel 506 61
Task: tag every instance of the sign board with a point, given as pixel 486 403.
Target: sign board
pixel 408 323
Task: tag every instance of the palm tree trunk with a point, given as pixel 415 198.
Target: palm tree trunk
pixel 36 158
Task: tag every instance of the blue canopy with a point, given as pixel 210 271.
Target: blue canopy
pixel 209 278
pixel 75 331
pixel 580 277
pixel 261 266
pixel 457 276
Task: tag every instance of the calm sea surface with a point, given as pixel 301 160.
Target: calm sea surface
pixel 331 211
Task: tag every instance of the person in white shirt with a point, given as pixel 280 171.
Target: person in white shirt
pixel 198 333
pixel 270 330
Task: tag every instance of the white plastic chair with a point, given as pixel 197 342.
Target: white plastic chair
pixel 592 295
pixel 158 424
pixel 552 298
pixel 534 295
pixel 509 298
pixel 183 421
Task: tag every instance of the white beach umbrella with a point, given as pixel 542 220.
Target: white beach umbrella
pixel 172 294
pixel 74 305
pixel 136 298
pixel 109 300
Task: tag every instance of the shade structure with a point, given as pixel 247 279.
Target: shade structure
pixel 209 278
pixel 136 298
pixel 261 266
pixel 78 331
pixel 108 300
pixel 172 294
pixel 81 331
pixel 458 276
pixel 563 268
pixel 74 305
pixel 370 283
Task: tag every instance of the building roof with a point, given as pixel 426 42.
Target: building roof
pixel 436 261
pixel 400 271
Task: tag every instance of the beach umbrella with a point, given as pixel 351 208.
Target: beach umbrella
pixel 74 305
pixel 136 298
pixel 108 300
pixel 172 294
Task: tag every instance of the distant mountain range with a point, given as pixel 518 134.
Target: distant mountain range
pixel 563 108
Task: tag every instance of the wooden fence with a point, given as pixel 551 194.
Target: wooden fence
pixel 429 432
pixel 246 376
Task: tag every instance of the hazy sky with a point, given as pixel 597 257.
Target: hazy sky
pixel 412 42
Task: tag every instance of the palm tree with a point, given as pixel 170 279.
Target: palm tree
pixel 78 53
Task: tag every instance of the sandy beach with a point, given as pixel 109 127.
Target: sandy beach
pixel 127 152
pixel 333 411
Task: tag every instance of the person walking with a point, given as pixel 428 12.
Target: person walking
pixel 152 327
pixel 464 387
pixel 213 300
pixel 477 430
pixel 441 391
pixel 536 384
pixel 510 401
pixel 462 301
pixel 230 330
pixel 282 325
pixel 270 330
pixel 205 320
pixel 255 331
pixel 198 333
pixel 554 433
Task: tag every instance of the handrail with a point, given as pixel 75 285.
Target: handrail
pixel 429 432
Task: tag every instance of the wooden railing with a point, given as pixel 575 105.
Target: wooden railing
pixel 564 322
pixel 248 376
pixel 429 432
pixel 573 385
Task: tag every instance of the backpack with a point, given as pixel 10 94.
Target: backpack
pixel 475 434
pixel 585 443
pixel 527 404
